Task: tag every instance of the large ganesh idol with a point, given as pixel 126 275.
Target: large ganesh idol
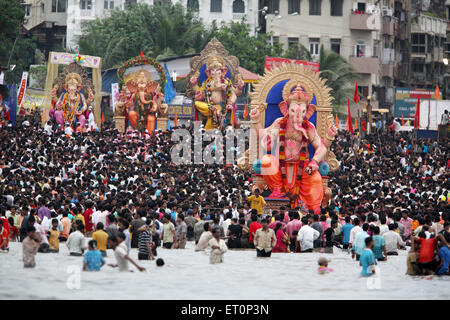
pixel 72 94
pixel 215 83
pixel 289 155
pixel 141 100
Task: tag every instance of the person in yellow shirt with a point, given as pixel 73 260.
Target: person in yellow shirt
pixel 257 201
pixel 53 237
pixel 101 237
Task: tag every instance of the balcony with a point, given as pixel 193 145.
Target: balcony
pixel 365 65
pixel 367 22
pixel 427 24
pixel 387 70
pixel 389 25
pixel 438 54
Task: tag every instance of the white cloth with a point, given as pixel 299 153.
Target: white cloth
pixel 91 122
pixel 355 230
pixel 120 252
pixel 99 216
pixel 42 232
pixel 392 239
pixel 383 229
pixel 203 241
pixel 216 255
pixel 76 242
pixel 306 237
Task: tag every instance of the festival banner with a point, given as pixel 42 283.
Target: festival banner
pixel 2 77
pixel 23 87
pixel 114 95
pixel 29 99
pixel 183 111
pixel 406 101
pixel 11 103
pixel 271 62
pixel 68 58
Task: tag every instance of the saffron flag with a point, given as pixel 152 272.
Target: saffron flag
pixel 103 117
pixel 245 114
pixel 142 55
pixel 337 122
pixel 417 116
pixel 35 106
pixel 175 120
pixel 356 123
pixel 437 94
pixel 349 118
pixel 356 95
pixel 403 120
pixel 232 118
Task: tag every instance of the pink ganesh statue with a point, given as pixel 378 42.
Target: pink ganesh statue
pixel 287 171
pixel 72 103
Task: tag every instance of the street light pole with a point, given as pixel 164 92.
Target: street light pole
pixel 369 116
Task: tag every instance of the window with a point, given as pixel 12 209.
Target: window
pixel 336 45
pixel 363 91
pixel 418 43
pixel 360 50
pixel 216 5
pixel 336 8
pixel 417 67
pixel 272 5
pixel 59 5
pixel 361 7
pixel 376 46
pixel 42 8
pixel 28 10
pixel 238 6
pixel 276 39
pixel 294 6
pixel 314 46
pixel 108 5
pixel 86 4
pixel 193 5
pixel 292 42
pixel 315 7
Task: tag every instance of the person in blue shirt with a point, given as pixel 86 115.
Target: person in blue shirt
pixel 93 259
pixel 367 259
pixel 379 245
pixel 345 231
pixel 444 253
pixel 358 244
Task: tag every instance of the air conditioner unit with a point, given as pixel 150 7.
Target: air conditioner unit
pixel 387 12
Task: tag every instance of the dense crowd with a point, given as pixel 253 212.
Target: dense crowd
pixel 123 191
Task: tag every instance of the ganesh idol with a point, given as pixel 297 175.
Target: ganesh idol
pixel 215 98
pixel 72 103
pixel 140 100
pixel 287 170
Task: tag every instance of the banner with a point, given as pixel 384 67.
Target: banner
pixel 29 99
pixel 23 88
pixel 11 103
pixel 114 95
pixel 2 77
pixel 271 62
pixel 183 111
pixel 406 101
pixel 68 58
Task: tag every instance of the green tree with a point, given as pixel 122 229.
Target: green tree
pixel 161 30
pixel 298 52
pixel 11 18
pixel 250 50
pixel 339 74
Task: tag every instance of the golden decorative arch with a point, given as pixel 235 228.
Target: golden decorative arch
pixel 213 48
pixel 73 68
pixel 312 83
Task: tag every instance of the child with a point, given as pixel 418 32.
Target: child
pixel 323 266
pixel 93 259
pixel 30 246
pixel 53 237
pixel 13 231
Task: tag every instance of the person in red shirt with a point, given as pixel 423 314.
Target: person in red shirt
pixel 255 225
pixel 4 237
pixel 5 223
pixel 87 214
pixel 427 263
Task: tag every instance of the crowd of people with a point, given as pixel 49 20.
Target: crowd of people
pixel 105 190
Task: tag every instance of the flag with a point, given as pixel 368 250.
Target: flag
pixel 356 123
pixel 175 120
pixel 417 115
pixel 168 124
pixel 403 120
pixel 349 118
pixel 232 117
pixel 437 93
pixel 337 122
pixel 245 114
pixel 169 91
pixel 35 106
pixel 142 55
pixel 356 95
pixel 103 117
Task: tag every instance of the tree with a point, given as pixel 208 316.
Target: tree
pixel 339 73
pixel 298 52
pixel 161 30
pixel 250 50
pixel 11 18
